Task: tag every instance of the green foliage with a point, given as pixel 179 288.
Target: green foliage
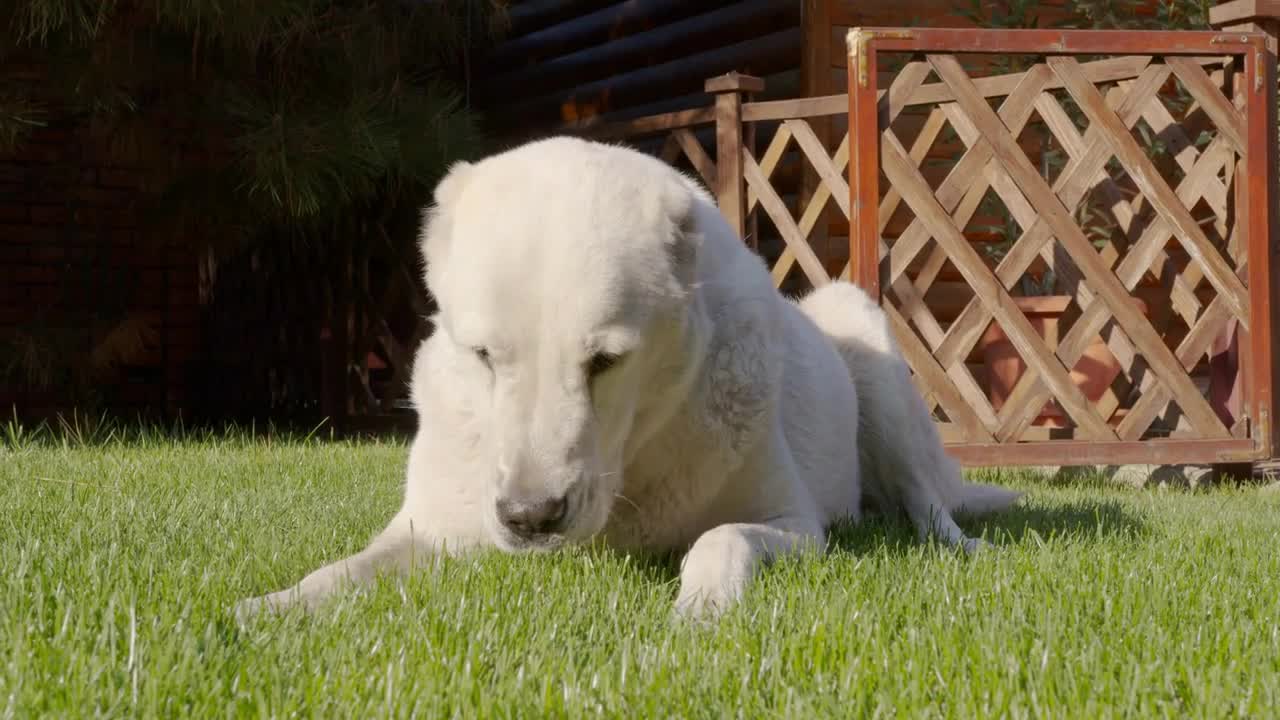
pixel 75 351
pixel 1126 15
pixel 1005 15
pixel 19 115
pixel 317 104
pixel 1093 14
pixel 306 115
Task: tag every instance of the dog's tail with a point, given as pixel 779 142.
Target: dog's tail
pixel 902 453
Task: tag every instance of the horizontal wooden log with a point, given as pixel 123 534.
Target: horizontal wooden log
pixel 594 28
pixel 531 16
pixel 759 56
pixel 724 26
pixel 642 127
pixel 654 117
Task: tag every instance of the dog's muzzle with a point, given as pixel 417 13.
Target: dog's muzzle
pixel 533 518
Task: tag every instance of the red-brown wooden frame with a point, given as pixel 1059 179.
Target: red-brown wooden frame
pixel 1256 196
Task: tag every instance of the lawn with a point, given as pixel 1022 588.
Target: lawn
pixel 122 556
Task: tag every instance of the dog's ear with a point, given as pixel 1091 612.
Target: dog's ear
pixel 685 204
pixel 435 237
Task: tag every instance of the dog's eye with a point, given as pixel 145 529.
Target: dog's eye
pixel 601 362
pixel 483 354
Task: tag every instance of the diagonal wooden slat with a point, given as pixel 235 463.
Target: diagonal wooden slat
pixel 1064 131
pixel 912 301
pixel 833 185
pixel 1184 151
pixel 1180 286
pixel 769 161
pixel 812 214
pixel 1100 71
pixel 1017 109
pixel 1148 179
pixel 1198 182
pixel 920 147
pixel 1178 283
pixel 995 176
pixel 1118 343
pixel 1099 276
pixel 817 156
pixel 1026 216
pixel 1228 120
pixel 670 151
pixel 782 220
pixel 1185 154
pixel 1194 346
pixel 929 271
pixel 965 183
pixel 1025 339
pixel 1071 186
pixel 924 364
pixel 1027 393
pixel 904 87
pixel 702 162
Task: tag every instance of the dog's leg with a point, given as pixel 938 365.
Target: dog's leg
pixel 723 560
pixel 931 517
pixel 397 549
pixel 905 465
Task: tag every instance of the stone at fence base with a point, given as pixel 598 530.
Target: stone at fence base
pixel 1139 476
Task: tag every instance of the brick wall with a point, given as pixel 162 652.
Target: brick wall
pixel 76 249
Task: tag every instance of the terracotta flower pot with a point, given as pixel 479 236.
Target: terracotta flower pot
pixel 1093 373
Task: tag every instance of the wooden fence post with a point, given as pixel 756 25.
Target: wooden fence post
pixel 730 189
pixel 1247 16
pixel 1253 16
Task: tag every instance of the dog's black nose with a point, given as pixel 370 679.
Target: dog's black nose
pixel 532 517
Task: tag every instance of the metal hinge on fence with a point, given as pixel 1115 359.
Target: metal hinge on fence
pixel 857 40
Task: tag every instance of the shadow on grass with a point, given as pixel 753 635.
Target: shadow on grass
pixel 1090 520
pixel 1100 520
pixel 1076 521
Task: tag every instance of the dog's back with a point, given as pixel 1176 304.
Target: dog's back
pixel 902 453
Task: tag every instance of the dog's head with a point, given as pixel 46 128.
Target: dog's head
pixel 564 271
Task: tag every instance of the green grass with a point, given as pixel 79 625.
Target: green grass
pixel 121 556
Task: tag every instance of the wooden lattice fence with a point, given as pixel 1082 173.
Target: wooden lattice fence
pixel 1182 189
pixel 1113 315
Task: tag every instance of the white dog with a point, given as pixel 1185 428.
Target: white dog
pixel 610 361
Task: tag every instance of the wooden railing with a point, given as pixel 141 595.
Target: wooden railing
pixel 1138 239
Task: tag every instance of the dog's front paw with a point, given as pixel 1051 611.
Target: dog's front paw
pixel 249 608
pixel 714 576
pixel 975 546
pixel 704 604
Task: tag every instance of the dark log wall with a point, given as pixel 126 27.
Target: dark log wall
pixel 577 61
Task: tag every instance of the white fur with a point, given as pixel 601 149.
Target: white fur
pixel 738 425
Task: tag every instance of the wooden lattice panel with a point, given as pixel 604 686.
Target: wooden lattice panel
pixel 1115 194
pixel 797 253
